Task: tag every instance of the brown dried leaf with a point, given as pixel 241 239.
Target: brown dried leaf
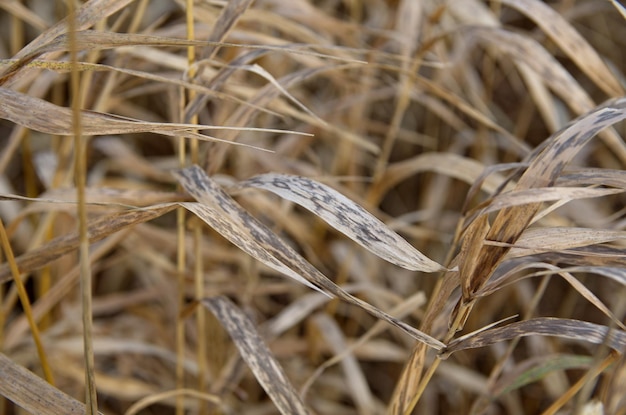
pixel 256 354
pixel 470 250
pixel 347 217
pixel 543 171
pixel 572 43
pixel 355 379
pixel 86 16
pixel 520 48
pixel 93 39
pixel 448 164
pixel 544 194
pixel 558 327
pixel 228 218
pixel 225 21
pixel 536 240
pixel 97 230
pixel 40 115
pixel 34 394
pixel 548 269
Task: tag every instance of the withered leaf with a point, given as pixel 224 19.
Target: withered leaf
pixel 256 354
pixel 96 230
pixel 547 326
pixel 227 217
pixel 347 217
pixel 34 394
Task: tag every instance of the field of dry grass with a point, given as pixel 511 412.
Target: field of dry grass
pixel 323 207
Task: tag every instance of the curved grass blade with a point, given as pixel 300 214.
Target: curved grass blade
pixel 570 41
pixel 97 229
pixel 548 326
pixel 222 213
pixel 32 393
pixel 256 354
pixel 347 217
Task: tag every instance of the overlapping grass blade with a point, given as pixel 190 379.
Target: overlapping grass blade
pixel 571 42
pixel 32 393
pixel 347 217
pixel 97 230
pixel 234 223
pixel 256 355
pixel 547 326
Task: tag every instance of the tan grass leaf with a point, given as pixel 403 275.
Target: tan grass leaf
pixel 620 7
pixel 43 116
pixel 63 66
pixel 19 10
pixel 565 144
pixel 32 393
pixel 347 217
pixel 571 42
pixel 86 16
pixel 526 51
pixel 537 368
pixel 470 253
pixel 95 39
pixel 535 240
pixel 97 230
pixel 549 269
pixel 543 194
pixel 228 218
pixel 547 326
pixel 593 176
pixel 256 354
pixel 543 171
pixel 257 69
pixel 594 255
pixel 449 164
pixel 355 379
pixel 230 14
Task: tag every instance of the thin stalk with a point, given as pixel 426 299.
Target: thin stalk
pixel 197 229
pixel 21 290
pixel 80 173
pixel 180 267
pixel 591 374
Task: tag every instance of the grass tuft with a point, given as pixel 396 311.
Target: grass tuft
pixel 356 207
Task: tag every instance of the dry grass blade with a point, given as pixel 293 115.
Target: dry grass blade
pixel 86 16
pixel 225 22
pixel 396 136
pixel 561 238
pixel 97 230
pixel 519 47
pixel 620 7
pixel 46 117
pixel 234 223
pixel 448 164
pixel 357 384
pixel 558 327
pixel 32 393
pixel 544 194
pixel 542 171
pixel 347 217
pixel 572 43
pixel 257 356
pixel 535 369
pixel 19 10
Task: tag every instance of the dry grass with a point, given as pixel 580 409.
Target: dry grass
pixel 442 184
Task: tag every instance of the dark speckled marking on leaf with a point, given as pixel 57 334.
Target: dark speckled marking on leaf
pixel 347 217
pixel 564 328
pixel 257 355
pixel 216 208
